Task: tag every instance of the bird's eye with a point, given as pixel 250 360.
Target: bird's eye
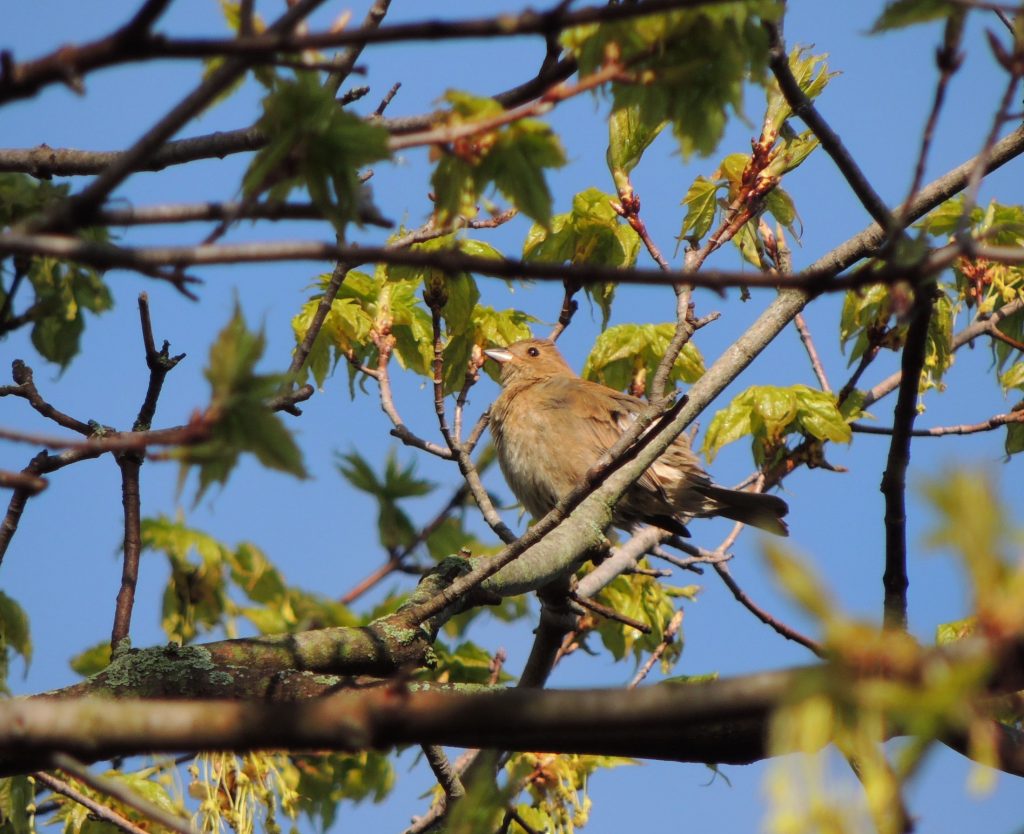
pixel 533 352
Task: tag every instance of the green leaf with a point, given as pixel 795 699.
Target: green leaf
pixel 1013 378
pixel 629 135
pixel 818 416
pixel 394 525
pixel 901 13
pixel 701 203
pixel 954 632
pixel 63 292
pixel 17 797
pixel 14 636
pixel 694 65
pixel 1014 438
pixel 748 241
pixel 466 663
pixel 769 413
pixel 93 660
pixel 939 343
pixel 592 233
pixel 790 153
pixel 626 353
pixel 511 158
pixel 241 420
pixel 315 144
pixel 811 73
pixel 731 423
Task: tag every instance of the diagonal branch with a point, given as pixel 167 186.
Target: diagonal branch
pixel 804 108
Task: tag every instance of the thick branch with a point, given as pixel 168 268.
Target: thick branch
pixel 894 481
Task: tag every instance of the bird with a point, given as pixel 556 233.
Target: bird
pixel 550 426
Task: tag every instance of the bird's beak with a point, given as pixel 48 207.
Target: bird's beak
pixel 499 355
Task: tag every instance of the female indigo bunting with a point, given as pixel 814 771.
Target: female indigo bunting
pixel 550 426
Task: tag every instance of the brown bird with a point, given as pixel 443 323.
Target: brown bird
pixel 550 426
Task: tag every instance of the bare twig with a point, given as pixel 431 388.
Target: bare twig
pixel 41 464
pixel 77 210
pixel 990 424
pixel 98 809
pixel 121 793
pixel 160 363
pixel 610 613
pixel 812 353
pixel 204 212
pixel 25 387
pixel 32 484
pixel 777 625
pixel 948 59
pixel 668 638
pixel 987 325
pixel 804 109
pixel 813 281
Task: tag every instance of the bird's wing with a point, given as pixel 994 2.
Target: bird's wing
pixel 597 416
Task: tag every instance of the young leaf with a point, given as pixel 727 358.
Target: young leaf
pixel 701 203
pixel 14 636
pixel 316 144
pixel 626 353
pixel 629 135
pixel 694 62
pixel 240 418
pixel 592 233
pixel 511 158
pixel 901 13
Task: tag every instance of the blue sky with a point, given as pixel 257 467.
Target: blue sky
pixel 64 567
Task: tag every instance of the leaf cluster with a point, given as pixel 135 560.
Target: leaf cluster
pixel 877 680
pixel 62 290
pixel 628 355
pixel 686 68
pixel 385 309
pixel 314 144
pixel 511 158
pixel 240 420
pixel 770 413
pixel 591 233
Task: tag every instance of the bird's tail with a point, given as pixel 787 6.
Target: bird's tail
pixel 754 508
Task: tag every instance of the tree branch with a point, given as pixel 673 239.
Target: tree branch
pixel 894 481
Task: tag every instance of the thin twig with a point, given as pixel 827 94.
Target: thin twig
pixel 987 325
pixel 804 109
pixel 41 464
pixel 98 809
pixel 129 463
pixel 668 638
pixel 990 424
pixel 384 102
pixel 610 613
pixel 121 793
pixel 32 484
pixel 948 59
pixel 77 209
pixel 205 212
pixel 25 387
pixel 777 625
pixel 813 281
pixel 812 353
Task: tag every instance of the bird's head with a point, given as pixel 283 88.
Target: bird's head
pixel 528 360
